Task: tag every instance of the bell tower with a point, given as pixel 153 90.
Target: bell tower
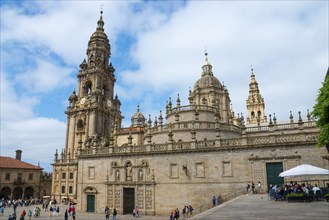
pixel 92 114
pixel 255 103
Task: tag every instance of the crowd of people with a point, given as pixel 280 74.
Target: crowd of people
pixel 47 206
pixel 107 212
pixel 279 192
pixel 186 213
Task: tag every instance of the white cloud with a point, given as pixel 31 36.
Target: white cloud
pixel 287 43
pixel 46 77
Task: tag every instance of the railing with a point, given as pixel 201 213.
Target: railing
pixel 193 107
pixel 205 144
pixel 19 181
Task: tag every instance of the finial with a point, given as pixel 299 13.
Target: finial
pixel 252 70
pixel 291 117
pixel 102 9
pixel 137 107
pixel 206 55
pixel 100 22
pixel 308 115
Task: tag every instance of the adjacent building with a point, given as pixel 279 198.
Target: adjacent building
pixel 184 156
pixel 21 180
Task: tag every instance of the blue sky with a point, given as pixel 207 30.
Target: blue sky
pixel 157 51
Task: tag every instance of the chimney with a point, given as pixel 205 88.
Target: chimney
pixel 18 154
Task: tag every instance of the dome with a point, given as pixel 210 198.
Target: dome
pixel 207 81
pixel 138 118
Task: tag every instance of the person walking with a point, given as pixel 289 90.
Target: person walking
pixel 29 214
pixel 107 213
pixel 66 215
pixel 114 214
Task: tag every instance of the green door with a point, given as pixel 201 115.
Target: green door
pixel 90 203
pixel 273 170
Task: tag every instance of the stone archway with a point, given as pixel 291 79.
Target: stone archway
pixel 5 192
pixel 29 191
pixel 17 193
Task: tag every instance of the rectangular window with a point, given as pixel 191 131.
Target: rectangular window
pixel 91 172
pixel 199 170
pixel 63 189
pixel 63 175
pixel 71 176
pixel 19 177
pixel 227 169
pixel 7 176
pixel 70 189
pixel 30 176
pixel 173 170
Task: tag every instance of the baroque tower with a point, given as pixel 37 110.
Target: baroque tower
pixel 92 113
pixel 255 103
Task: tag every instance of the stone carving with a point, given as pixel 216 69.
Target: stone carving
pixel 140 197
pixel 117 175
pixel 129 172
pixel 110 196
pixel 140 175
pixel 117 198
pixel 148 199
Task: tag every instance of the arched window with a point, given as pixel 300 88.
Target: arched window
pixel 259 114
pixel 91 60
pixel 80 124
pixel 104 90
pixel 88 88
pixel 252 115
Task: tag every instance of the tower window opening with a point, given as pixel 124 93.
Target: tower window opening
pixel 91 60
pixel 88 88
pixel 104 90
pixel 80 124
pixel 259 114
pixel 252 115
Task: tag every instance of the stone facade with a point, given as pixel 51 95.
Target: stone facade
pixel 19 179
pixel 185 156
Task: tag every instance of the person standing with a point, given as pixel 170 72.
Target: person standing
pixel 213 201
pixel 247 188
pixel 29 214
pixel 259 187
pixel 253 188
pixel 114 214
pixel 66 215
pixel 107 213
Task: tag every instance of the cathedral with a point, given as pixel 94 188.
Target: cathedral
pixel 184 156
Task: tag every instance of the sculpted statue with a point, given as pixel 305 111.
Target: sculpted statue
pixel 129 171
pixel 117 175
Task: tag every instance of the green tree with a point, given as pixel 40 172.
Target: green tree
pixel 321 113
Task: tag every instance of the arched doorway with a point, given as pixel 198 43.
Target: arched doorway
pixel 29 193
pixel 91 198
pixel 5 193
pixel 17 193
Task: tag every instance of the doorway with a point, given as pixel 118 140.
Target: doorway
pixel 90 203
pixel 128 200
pixel 273 170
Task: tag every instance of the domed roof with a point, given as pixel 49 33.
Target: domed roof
pixel 207 81
pixel 207 78
pixel 99 37
pixel 138 117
